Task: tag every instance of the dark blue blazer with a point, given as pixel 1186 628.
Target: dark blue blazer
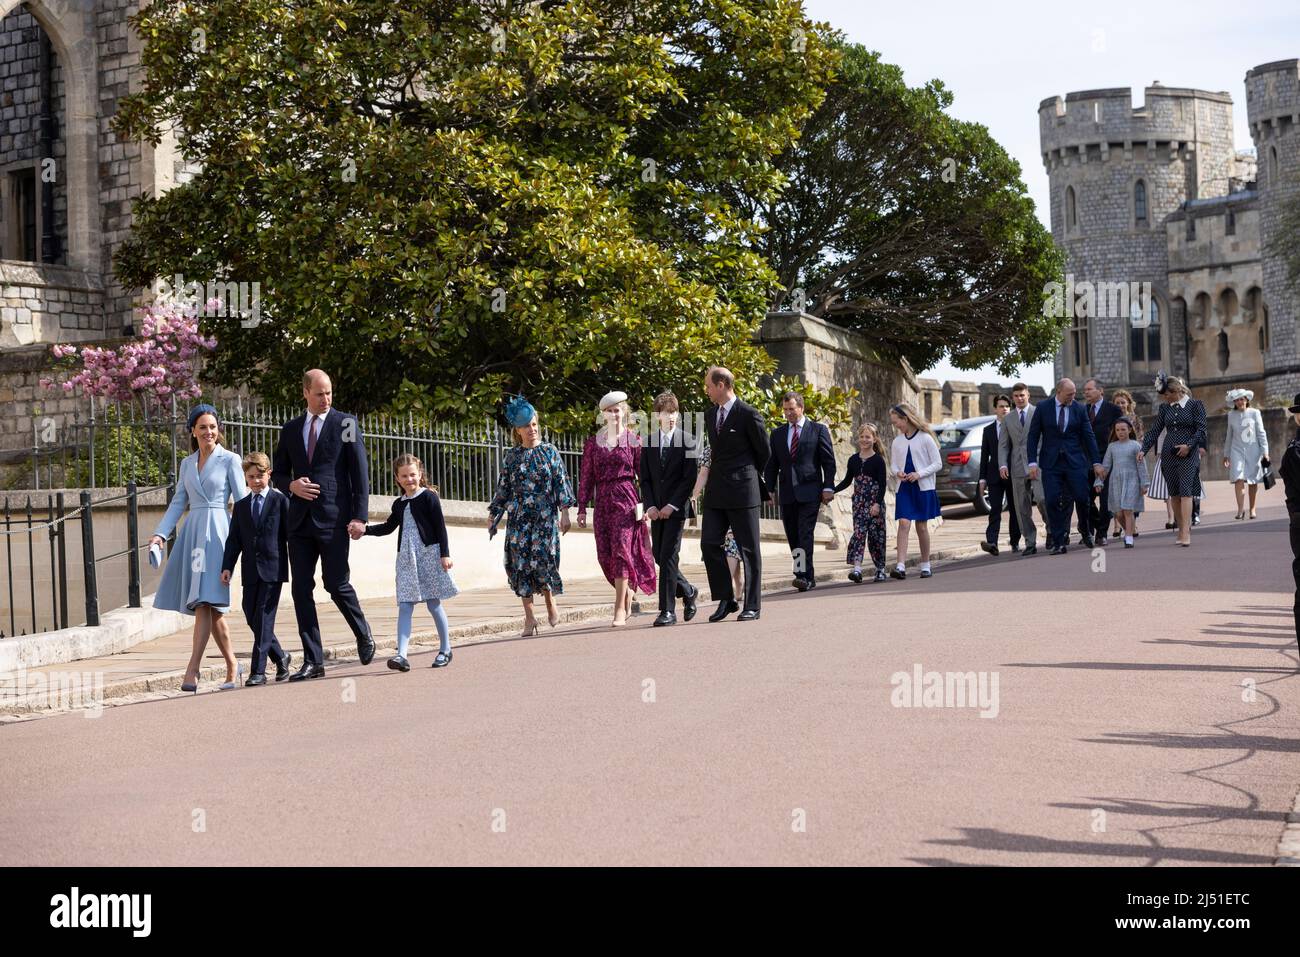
pixel 812 468
pixel 264 547
pixel 1050 449
pixel 338 467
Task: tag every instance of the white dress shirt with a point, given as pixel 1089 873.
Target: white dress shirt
pixel 306 426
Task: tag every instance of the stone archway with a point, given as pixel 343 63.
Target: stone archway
pixel 70 25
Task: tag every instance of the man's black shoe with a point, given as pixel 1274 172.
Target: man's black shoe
pixel 724 609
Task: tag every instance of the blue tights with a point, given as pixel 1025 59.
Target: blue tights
pixel 404 611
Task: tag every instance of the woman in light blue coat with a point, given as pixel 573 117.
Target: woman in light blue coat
pixel 191 582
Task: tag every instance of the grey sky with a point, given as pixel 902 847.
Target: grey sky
pixel 1001 58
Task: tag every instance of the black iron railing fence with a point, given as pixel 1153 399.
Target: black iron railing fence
pixel 38 558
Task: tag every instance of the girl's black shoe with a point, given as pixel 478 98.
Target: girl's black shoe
pixel 442 659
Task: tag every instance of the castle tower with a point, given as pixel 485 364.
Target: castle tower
pixel 1273 110
pixel 1116 174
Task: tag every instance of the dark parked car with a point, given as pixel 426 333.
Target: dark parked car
pixel 959 449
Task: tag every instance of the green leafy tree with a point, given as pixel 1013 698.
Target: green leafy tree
pixel 910 226
pixel 444 201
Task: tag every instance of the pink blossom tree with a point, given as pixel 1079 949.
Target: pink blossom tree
pixel 161 364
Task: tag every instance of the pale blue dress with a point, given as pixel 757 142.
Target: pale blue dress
pixel 192 575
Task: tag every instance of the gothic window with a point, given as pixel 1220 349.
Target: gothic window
pixel 1080 353
pixel 1224 352
pixel 1071 214
pixel 1144 338
pixel 22 238
pixel 1140 203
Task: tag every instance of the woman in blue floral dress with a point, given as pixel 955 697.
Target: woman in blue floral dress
pixel 535 490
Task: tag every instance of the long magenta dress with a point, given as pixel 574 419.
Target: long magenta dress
pixel 608 476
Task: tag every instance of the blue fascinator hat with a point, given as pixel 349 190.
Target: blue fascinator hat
pixel 519 412
pixel 201 409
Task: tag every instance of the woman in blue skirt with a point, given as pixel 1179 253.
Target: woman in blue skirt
pixel 914 460
pixel 191 582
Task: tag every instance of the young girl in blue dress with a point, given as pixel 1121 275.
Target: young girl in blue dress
pixel 423 565
pixel 914 460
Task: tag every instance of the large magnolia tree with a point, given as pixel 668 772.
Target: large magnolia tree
pixel 443 201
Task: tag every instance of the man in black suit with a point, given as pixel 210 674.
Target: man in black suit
pixel 738 449
pixel 800 476
pixel 259 530
pixel 1102 416
pixel 321 460
pixel 669 467
pixel 999 489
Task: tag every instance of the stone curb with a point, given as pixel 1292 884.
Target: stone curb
pixel 168 683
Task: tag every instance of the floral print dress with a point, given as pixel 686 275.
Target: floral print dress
pixel 609 477
pixel 533 488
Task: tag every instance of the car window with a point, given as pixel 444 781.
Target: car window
pixel 951 438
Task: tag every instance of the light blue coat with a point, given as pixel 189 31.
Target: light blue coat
pixel 193 572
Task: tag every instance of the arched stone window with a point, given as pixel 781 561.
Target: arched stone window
pixel 1228 307
pixel 71 28
pixel 1071 212
pixel 1140 203
pixel 1224 353
pixel 1145 339
pixel 1201 311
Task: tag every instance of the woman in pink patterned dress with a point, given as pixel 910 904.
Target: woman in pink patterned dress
pixel 610 462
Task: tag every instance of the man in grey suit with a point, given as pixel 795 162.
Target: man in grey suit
pixel 1013 464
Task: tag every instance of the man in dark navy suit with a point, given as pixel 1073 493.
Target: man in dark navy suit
pixel 1061 444
pixel 670 463
pixel 800 477
pixel 321 460
pixel 733 494
pixel 259 532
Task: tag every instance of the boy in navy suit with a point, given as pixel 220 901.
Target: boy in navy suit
pixel 259 530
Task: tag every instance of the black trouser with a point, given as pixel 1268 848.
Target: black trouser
pixel 800 521
pixel 261 599
pixel 1099 514
pixel 999 498
pixel 1295 567
pixel 666 544
pixel 743 523
pixel 309 544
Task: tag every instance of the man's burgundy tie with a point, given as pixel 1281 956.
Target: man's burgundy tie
pixel 722 416
pixel 1092 414
pixel 794 442
pixel 311 437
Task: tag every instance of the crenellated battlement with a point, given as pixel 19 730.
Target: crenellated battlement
pixel 1169 117
pixel 1273 99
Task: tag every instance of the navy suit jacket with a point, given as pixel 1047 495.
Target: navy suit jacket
pixel 338 467
pixel 812 469
pixel 1051 449
pixel 264 547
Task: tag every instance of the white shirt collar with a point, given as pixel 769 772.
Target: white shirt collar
pixel 418 493
pixel 803 421
pixel 666 438
pixel 728 404
pixel 1182 400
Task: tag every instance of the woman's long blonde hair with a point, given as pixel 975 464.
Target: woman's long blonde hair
pixel 907 411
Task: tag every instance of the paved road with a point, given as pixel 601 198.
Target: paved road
pixel 1121 735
